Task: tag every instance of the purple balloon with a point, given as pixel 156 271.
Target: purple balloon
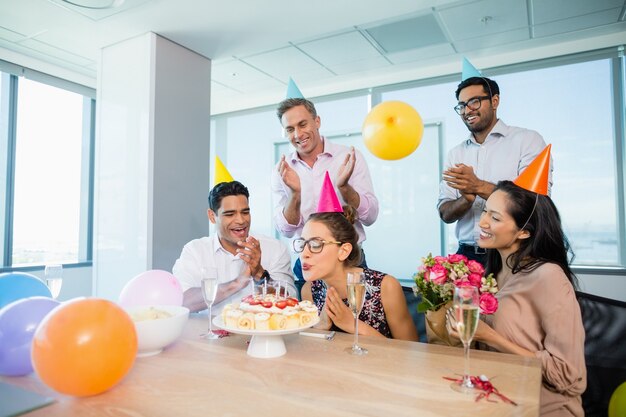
pixel 18 322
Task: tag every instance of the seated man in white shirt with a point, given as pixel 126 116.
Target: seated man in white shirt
pixel 240 259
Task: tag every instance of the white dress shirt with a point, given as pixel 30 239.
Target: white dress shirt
pixel 504 154
pixel 208 252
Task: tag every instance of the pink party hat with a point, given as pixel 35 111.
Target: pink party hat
pixel 328 203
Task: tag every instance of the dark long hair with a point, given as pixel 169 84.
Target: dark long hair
pixel 342 228
pixel 546 243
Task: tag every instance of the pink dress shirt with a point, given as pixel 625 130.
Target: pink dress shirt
pixel 311 179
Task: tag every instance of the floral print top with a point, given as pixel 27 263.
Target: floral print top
pixel 372 313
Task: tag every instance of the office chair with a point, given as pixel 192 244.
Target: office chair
pixel 418 318
pixel 605 350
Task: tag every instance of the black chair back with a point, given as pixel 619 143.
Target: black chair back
pixel 418 318
pixel 605 350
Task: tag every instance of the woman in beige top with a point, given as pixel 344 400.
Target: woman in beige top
pixel 538 314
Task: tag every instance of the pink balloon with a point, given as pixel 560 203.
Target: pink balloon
pixel 153 287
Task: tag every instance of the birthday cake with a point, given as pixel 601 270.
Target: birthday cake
pixel 269 313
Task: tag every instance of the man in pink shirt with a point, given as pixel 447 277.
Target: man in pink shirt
pixel 297 179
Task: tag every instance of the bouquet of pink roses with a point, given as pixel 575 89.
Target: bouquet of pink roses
pixel 437 276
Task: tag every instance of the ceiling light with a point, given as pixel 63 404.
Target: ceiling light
pixel 96 4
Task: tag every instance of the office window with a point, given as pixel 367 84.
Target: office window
pixel 47 174
pixel 434 103
pixel 46 156
pixel 250 160
pixel 407 227
pixel 5 94
pixel 571 106
pixel 344 115
pixel 578 121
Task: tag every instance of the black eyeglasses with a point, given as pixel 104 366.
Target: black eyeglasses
pixel 472 104
pixel 315 244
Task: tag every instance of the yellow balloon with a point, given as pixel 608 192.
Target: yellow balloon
pixel 617 404
pixel 392 130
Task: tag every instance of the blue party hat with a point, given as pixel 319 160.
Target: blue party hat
pixel 469 70
pixel 293 91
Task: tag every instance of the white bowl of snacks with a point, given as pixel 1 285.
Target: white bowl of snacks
pixel 157 326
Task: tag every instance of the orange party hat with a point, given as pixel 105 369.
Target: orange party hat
pixel 535 177
pixel 328 203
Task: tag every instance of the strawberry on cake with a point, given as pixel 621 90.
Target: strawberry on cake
pixel 269 312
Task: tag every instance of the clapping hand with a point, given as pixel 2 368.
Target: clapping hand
pixel 346 169
pixel 338 311
pixel 288 175
pixel 249 251
pixel 462 177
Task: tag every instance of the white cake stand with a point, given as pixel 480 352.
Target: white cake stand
pixel 264 343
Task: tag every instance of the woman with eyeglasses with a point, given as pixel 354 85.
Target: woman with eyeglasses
pixel 329 250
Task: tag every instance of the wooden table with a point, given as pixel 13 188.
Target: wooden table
pixel 196 377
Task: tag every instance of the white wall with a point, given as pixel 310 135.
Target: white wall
pixel 609 286
pixel 181 150
pixel 76 282
pixel 152 158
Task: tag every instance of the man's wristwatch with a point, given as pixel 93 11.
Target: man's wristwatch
pixel 265 276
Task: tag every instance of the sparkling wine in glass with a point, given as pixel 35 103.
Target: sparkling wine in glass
pixel 54 279
pixel 356 297
pixel 209 286
pixel 466 313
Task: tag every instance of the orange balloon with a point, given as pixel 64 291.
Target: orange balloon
pixel 84 347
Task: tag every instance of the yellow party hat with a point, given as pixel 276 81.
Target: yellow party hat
pixel 221 173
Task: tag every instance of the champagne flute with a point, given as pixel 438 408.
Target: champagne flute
pixel 54 279
pixel 466 314
pixel 209 286
pixel 356 297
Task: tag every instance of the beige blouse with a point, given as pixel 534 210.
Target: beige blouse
pixel 539 312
